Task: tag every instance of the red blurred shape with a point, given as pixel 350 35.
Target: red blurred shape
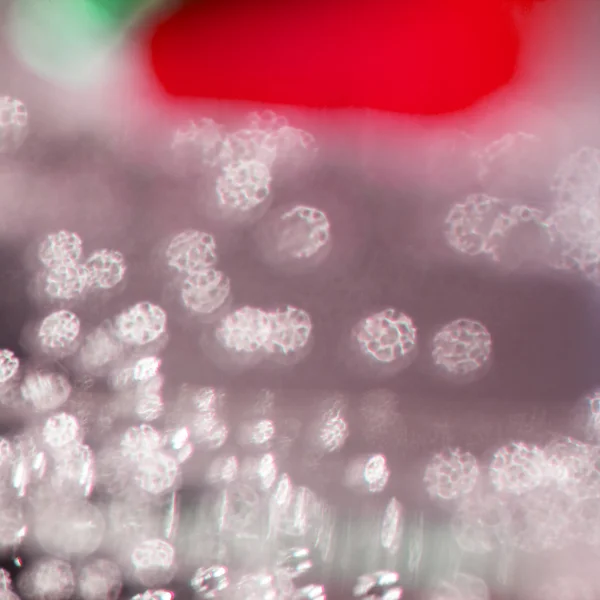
pixel 409 56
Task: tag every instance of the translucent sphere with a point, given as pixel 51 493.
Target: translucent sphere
pixel 59 331
pixel 298 237
pixel 66 281
pixel 451 474
pixel 70 529
pixel 517 468
pixel 13 123
pixel 289 331
pixel 245 331
pixel 60 429
pixel 204 292
pixel 106 269
pixel 45 391
pixel 242 187
pixel 62 247
pixel 191 252
pixel 99 579
pixel 48 579
pixel 387 338
pixel 153 562
pixel 461 349
pixel 469 224
pixel 141 324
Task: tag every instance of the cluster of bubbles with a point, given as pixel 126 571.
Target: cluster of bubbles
pixel 251 334
pixel 529 498
pixel 192 256
pixel 243 160
pixel 67 275
pixel 562 235
pixel 461 350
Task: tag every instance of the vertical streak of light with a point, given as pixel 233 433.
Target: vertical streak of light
pixel 171 517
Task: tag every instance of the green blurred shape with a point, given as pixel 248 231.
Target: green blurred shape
pixel 71 41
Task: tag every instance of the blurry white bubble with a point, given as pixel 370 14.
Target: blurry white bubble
pixel 332 430
pixel 58 332
pixel 461 349
pixel 149 407
pixel 256 433
pixel 259 470
pixel 100 349
pixel 517 468
pixel 223 469
pixel 191 252
pixel 392 526
pixel 197 143
pixel 106 269
pixel 520 238
pixel 469 224
pixel 289 331
pixel 60 429
pixel 379 584
pixel 387 338
pixel 177 441
pixel 47 579
pixel 309 229
pixel 300 236
pixel 69 529
pixel 203 292
pixel 60 248
pixel 9 366
pixel 245 331
pixel 209 582
pixel 45 391
pixel 451 474
pixel 209 430
pixel 13 123
pixel 156 472
pixel 66 281
pixel 368 474
pixel 141 324
pixel 242 187
pixel 146 368
pixel 99 579
pixel 153 562
pixel 141 441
